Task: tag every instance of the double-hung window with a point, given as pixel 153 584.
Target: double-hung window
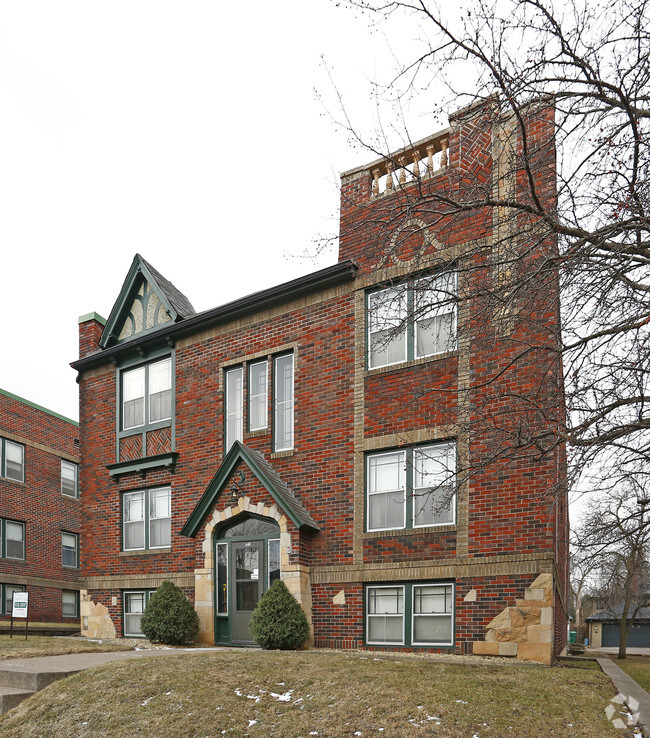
pixel 283 401
pixel 12 460
pixel 69 479
pixel 418 614
pixel 257 395
pixel 13 539
pixel 412 320
pixel 70 550
pixel 411 488
pixel 8 597
pixel 69 603
pixel 147 394
pixel 134 604
pixel 146 519
pixel 234 406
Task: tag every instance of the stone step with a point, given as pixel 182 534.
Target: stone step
pixel 10 697
pixel 29 679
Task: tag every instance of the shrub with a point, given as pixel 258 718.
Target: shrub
pixel 278 621
pixel 169 617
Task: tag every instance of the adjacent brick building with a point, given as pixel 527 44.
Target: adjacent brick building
pixel 372 433
pixel 40 514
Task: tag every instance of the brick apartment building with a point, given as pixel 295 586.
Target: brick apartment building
pixel 40 514
pixel 344 431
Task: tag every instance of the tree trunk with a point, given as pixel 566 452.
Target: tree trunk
pixel 622 644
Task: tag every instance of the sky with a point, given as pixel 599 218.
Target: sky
pixel 205 136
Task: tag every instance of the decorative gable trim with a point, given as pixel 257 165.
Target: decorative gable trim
pixel 268 478
pixel 165 298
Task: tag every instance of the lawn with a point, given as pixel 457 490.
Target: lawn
pixel 244 693
pixel 18 648
pixel 638 667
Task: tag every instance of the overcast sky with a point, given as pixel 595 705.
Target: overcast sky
pixel 195 133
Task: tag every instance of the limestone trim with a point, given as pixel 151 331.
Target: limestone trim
pixel 41 447
pixel 137 581
pixel 40 582
pixel 460 568
pixel 525 630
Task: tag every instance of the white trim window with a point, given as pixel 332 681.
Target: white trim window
pixel 70 550
pixel 12 460
pixel 146 519
pixel 413 614
pixel 257 396
pixel 412 320
pixel 411 488
pixel 385 615
pixel 69 479
pixel 14 540
pixel 69 603
pixel 283 402
pixel 147 394
pixel 386 491
pixel 134 604
pixel 234 406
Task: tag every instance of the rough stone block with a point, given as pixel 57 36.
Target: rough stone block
pixel 502 620
pixel 534 594
pixel 524 616
pixel 540 652
pixel 514 635
pixel 485 649
pixel 470 596
pixel 546 616
pixel 540 634
pixel 489 636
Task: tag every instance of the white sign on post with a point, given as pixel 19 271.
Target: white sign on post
pixel 19 604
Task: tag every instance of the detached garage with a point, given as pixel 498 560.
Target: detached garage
pixel 604 629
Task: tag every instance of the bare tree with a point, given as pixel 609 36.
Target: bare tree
pixel 591 63
pixel 615 538
pixel 582 568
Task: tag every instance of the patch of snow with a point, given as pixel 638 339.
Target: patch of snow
pixel 300 699
pixel 358 732
pixel 462 702
pixel 313 732
pixel 251 723
pixel 279 684
pixel 282 697
pixel 147 701
pixel 167 693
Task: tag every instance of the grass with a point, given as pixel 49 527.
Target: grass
pixel 19 648
pixel 638 667
pixel 244 693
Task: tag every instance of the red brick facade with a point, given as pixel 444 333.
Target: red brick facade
pixel 486 398
pixel 34 443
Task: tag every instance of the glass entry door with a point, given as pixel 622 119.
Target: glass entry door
pixel 247 575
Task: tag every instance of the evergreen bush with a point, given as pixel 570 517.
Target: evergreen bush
pixel 278 621
pixel 169 617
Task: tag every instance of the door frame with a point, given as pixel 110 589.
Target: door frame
pixel 223 621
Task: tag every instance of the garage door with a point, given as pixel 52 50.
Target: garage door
pixel 638 636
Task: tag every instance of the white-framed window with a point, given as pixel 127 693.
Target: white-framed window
pixel 8 596
pixel 69 603
pixel 411 320
pixel 146 519
pixel 234 406
pixel 12 460
pixel 13 539
pixel 134 604
pixel 69 479
pixel 410 614
pixel 258 395
pixel 147 394
pixel 70 550
pixel 283 402
pixel 411 488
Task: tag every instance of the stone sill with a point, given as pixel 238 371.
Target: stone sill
pixel 282 454
pixel 409 363
pixel 429 529
pixel 146 551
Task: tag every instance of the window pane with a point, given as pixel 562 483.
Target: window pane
pixel 134 604
pixel 257 396
pixel 386 510
pixel 69 604
pixel 387 315
pixel 234 406
pixel 434 304
pixel 133 397
pixel 387 472
pixel 428 600
pixel 160 392
pixel 431 629
pixel 69 549
pixel 15 540
pixel 385 629
pixel 160 503
pixel 284 402
pixel 9 596
pixel 274 560
pixel 251 527
pixel 14 461
pixel 386 491
pixel 222 578
pixel 133 535
pixel 133 506
pixel 385 600
pixel 434 484
pixel 69 478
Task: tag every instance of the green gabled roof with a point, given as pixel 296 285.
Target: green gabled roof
pixel 174 301
pixel 268 478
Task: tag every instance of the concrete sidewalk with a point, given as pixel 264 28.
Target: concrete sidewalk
pixel 636 698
